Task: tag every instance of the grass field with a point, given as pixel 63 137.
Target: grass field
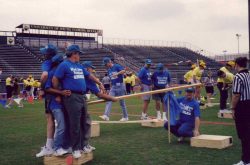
pixel 22 133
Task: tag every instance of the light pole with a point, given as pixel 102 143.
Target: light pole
pixel 238 38
pixel 225 51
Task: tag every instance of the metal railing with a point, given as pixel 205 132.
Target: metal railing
pixel 157 43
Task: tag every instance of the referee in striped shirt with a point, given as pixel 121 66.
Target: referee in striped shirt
pixel 241 107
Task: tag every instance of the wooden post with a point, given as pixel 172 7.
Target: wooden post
pixel 169 135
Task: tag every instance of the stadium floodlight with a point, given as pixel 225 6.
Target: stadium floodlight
pixel 238 38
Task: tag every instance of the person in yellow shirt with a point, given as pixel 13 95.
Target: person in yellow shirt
pixel 197 73
pixel 220 84
pixel 188 77
pixel 128 83
pixel 227 79
pixel 133 83
pixel 9 89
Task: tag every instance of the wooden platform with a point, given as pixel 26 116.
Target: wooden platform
pixel 225 115
pixel 154 123
pixel 212 141
pixel 67 159
pixel 95 129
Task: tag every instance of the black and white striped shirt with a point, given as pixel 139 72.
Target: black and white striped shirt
pixel 241 85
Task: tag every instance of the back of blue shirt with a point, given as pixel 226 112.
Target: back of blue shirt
pixel 145 76
pixel 46 66
pixel 53 104
pixel 190 110
pixel 115 80
pixel 72 76
pixel 91 86
pixel 161 79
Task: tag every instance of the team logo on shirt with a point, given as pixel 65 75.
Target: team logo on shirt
pixel 162 80
pixel 78 73
pixel 187 110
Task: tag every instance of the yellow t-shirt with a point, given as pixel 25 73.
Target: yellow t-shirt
pixel 197 73
pixel 8 81
pixel 229 78
pixel 188 76
pixel 133 78
pixel 224 69
pixel 128 80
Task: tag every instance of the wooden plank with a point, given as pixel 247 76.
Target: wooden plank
pixel 126 122
pixel 225 115
pixel 148 93
pixel 95 129
pixel 153 124
pixel 212 141
pixel 67 159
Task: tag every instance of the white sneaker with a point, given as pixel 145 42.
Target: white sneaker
pixel 222 111
pixel 60 152
pixel 124 119
pixel 45 152
pixel 180 139
pixel 69 150
pixel 227 111
pixel 145 117
pixel 241 163
pixel 77 154
pixel 7 106
pixel 104 117
pixel 86 149
pixel 164 118
pixel 91 147
pixel 158 115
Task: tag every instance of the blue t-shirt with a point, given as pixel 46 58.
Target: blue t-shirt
pixel 46 66
pixel 53 104
pixel 91 86
pixel 190 110
pixel 161 79
pixel 115 80
pixel 145 76
pixel 72 76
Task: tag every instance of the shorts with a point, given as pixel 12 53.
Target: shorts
pixel 209 89
pixel 146 88
pixel 107 87
pixel 47 104
pixel 9 91
pixel 158 96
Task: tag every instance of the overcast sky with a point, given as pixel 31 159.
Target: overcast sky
pixel 208 24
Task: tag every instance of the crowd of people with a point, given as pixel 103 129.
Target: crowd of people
pixel 65 82
pixel 19 88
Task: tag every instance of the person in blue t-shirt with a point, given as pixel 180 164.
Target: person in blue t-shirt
pixel 55 106
pixel 48 52
pixel 189 120
pixel 161 79
pixel 115 72
pixel 144 79
pixel 71 75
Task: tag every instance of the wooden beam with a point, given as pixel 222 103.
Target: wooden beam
pixel 148 93
pixel 126 122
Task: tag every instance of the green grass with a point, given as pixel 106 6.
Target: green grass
pixel 22 133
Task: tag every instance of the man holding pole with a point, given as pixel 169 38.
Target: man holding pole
pixel 189 120
pixel 115 72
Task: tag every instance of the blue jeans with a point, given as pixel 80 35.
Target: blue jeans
pixel 60 139
pixel 181 129
pixel 116 91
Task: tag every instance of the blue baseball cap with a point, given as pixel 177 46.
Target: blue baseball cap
pixel 106 60
pixel 159 66
pixel 57 59
pixel 73 48
pixel 148 61
pixel 49 49
pixel 190 90
pixel 88 64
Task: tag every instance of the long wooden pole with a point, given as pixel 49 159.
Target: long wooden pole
pixel 169 135
pixel 147 93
